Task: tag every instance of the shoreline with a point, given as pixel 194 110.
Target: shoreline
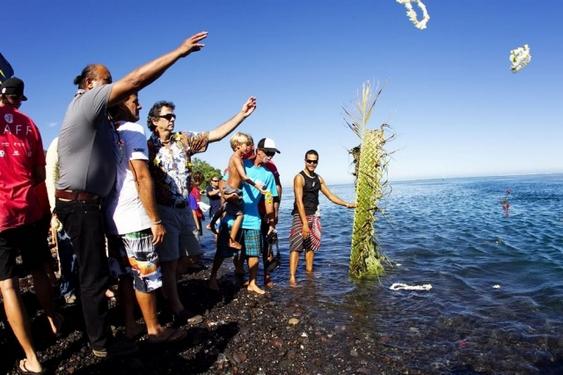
pixel 239 333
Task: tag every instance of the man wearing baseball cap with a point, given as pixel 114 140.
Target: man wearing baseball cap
pixel 24 218
pixel 12 92
pixel 270 149
pixel 252 238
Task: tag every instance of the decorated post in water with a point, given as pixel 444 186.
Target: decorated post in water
pixel 370 164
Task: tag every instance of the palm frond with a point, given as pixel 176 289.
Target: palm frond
pixel 370 163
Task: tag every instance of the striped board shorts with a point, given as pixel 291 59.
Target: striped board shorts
pixel 296 241
pixel 134 254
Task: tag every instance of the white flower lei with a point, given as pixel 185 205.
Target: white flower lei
pixel 421 25
pixel 519 58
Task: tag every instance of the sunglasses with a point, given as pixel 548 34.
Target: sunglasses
pixel 214 180
pixel 311 161
pixel 270 153
pixel 168 116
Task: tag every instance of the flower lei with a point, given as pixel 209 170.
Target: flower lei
pixel 421 25
pixel 519 58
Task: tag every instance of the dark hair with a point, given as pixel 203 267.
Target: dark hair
pixel 312 152
pixel 119 111
pixel 89 72
pixel 154 112
pixel 197 177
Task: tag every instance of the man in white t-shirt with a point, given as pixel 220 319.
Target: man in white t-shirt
pixel 132 219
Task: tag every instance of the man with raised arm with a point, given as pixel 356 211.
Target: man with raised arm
pixel 170 155
pixel 88 150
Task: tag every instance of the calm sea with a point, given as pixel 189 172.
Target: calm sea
pixel 496 272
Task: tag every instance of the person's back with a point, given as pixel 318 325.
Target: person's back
pixel 22 195
pixel 23 218
pixel 234 178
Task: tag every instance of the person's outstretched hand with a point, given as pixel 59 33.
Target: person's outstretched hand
pixel 192 43
pixel 248 107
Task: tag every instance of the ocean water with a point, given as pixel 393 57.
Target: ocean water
pixel 496 303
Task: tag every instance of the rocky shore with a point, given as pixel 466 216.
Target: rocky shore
pixel 236 332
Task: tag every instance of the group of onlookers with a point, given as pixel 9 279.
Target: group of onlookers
pixel 114 193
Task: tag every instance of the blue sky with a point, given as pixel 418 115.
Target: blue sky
pixel 449 95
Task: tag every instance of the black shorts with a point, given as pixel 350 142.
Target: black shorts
pixel 30 241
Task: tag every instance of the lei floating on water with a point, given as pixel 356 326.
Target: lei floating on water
pixel 401 286
pixel 421 25
pixel 519 58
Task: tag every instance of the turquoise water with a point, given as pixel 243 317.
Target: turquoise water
pixel 455 235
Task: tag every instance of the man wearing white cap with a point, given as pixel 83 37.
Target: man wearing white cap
pixel 251 223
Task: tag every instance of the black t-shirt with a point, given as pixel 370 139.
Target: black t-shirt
pixel 311 190
pixel 214 200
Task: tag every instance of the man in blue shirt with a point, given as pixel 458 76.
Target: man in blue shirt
pixel 251 223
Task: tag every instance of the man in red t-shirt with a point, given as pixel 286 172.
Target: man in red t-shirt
pixel 24 218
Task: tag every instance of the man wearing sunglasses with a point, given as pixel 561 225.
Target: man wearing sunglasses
pixel 214 194
pixel 305 233
pixel 88 150
pixel 170 155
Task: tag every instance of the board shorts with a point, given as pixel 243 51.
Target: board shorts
pixel 296 241
pixel 133 254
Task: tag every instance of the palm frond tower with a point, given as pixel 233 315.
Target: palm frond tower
pixel 370 161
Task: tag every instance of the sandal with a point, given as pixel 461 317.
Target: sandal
pixel 22 368
pixel 167 336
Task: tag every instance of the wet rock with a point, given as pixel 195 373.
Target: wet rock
pixel 196 319
pixel 239 357
pixel 354 352
pixel 277 343
pixel 363 370
pixel 293 321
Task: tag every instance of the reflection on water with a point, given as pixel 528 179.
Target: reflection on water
pixel 454 235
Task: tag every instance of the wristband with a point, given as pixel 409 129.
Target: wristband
pixel 157 222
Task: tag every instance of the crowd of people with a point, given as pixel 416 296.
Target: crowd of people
pixel 123 206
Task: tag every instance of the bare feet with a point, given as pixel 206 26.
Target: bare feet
pixel 56 321
pixel 252 287
pixel 234 244
pixel 292 282
pixel 268 283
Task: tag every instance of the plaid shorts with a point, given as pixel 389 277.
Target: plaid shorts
pixel 251 242
pixel 134 254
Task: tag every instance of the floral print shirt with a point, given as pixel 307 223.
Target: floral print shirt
pixel 170 165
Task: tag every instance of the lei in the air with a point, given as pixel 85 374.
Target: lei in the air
pixel 519 58
pixel 421 25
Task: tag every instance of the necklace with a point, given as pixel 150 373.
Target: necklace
pixel 421 25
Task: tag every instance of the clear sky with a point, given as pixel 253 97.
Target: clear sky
pixel 449 95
